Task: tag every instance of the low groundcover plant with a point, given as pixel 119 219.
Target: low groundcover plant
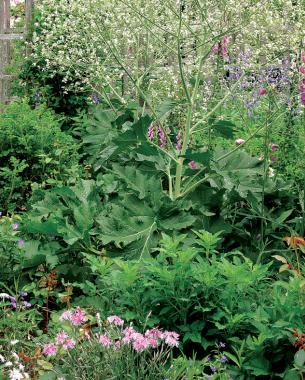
pixel 87 348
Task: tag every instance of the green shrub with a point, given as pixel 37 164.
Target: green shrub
pixel 33 153
pixel 207 300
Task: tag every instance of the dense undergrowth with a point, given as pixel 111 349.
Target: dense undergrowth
pixel 152 197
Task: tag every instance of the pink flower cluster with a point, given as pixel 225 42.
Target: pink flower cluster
pixel 62 339
pixel 129 336
pixel 76 317
pixel 140 342
pixel 115 320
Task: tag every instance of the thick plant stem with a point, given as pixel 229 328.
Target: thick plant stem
pixel 266 164
pixel 191 102
pixel 185 143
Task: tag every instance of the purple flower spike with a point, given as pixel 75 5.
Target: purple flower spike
pixel 162 138
pixel 214 369
pixel 150 132
pixel 222 345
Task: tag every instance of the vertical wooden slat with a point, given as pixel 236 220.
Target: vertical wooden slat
pixel 6 36
pixel 28 23
pixel 7 19
pixel 4 49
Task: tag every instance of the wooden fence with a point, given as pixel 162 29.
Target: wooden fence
pixel 8 34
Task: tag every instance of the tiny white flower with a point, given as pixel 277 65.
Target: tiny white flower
pixel 15 356
pixel 14 374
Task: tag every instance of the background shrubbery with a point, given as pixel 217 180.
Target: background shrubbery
pixel 155 171
pixel 34 153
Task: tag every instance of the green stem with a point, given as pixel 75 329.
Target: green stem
pixel 191 102
pixel 266 164
pixel 170 183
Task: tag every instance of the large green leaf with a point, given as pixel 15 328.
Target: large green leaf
pixel 98 136
pixel 136 134
pixel 224 128
pixel 135 180
pixel 237 170
pixel 163 109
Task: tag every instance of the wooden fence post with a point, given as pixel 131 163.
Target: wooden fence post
pixel 7 35
pixel 4 49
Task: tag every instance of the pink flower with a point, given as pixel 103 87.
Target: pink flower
pixel 302 70
pixel 140 343
pixel 115 320
pixel 105 340
pixel 66 315
pixel 273 158
pixel 78 316
pixel 154 333
pixel 49 349
pixel 61 337
pixel 153 342
pixel 239 141
pixel 192 165
pixel 262 91
pixel 273 147
pixel 69 343
pixel 171 338
pixel 128 334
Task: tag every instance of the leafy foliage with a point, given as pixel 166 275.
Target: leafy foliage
pixel 223 298
pixel 34 153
